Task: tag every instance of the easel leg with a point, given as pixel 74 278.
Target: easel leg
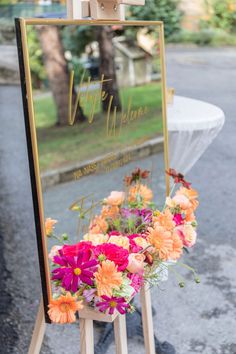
pixel 39 330
pixel 86 336
pixel 120 335
pixel 148 333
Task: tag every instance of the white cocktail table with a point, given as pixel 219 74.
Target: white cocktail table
pixel 192 126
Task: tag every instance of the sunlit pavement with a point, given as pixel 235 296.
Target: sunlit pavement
pixel 196 319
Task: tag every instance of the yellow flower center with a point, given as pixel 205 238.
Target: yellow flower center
pixel 77 271
pixel 113 303
pixel 64 307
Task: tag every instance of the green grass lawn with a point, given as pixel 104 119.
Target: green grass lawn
pixel 59 146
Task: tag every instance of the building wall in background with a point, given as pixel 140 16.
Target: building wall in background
pixel 194 10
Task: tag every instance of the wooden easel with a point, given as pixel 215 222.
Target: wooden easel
pixel 86 318
pixel 100 10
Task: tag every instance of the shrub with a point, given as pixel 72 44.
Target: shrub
pixel 223 15
pixel 162 10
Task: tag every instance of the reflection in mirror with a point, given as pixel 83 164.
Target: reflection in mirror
pixel 97 94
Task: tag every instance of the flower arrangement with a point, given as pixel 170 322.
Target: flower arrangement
pixel 129 243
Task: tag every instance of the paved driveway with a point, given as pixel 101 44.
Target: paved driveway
pixel 196 319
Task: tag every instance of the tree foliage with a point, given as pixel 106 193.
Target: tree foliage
pixel 223 15
pixel 159 10
pixel 36 58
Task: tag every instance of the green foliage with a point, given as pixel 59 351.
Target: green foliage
pixel 223 15
pixel 75 38
pixel 36 59
pixel 162 10
pixel 206 36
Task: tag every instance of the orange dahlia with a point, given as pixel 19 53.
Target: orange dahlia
pixel 63 309
pixel 107 278
pixel 110 211
pixel 142 191
pixel 165 219
pixel 177 247
pixel 162 240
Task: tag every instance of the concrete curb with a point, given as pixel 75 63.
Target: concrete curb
pixel 101 164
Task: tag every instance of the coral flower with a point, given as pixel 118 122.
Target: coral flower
pixel 107 278
pixel 165 219
pixel 189 215
pixel 136 263
pixel 74 270
pixel 142 191
pixel 62 310
pixel 191 194
pixel 110 211
pixel 187 234
pixel 98 225
pixel 49 226
pixel 162 241
pixel 113 303
pixel 115 198
pixel 177 247
pixel 114 253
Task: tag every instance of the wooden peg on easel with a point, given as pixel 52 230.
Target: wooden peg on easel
pixel 99 9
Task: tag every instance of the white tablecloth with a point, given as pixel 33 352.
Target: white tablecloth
pixel 192 125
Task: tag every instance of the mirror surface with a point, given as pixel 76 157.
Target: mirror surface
pixel 97 95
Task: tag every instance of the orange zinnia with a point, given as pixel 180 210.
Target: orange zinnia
pixel 107 278
pixel 162 241
pixel 143 191
pixel 62 310
pixel 49 226
pixel 177 247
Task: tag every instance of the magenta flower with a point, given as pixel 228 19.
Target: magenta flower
pixel 134 248
pixel 114 253
pixel 113 303
pixel 74 270
pixel 137 281
pixel 178 219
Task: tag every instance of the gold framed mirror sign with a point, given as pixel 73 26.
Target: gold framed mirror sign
pixel 94 96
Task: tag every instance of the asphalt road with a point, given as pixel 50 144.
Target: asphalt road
pixel 196 319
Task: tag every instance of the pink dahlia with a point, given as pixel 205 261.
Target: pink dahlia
pixel 114 253
pixel 113 303
pixel 74 270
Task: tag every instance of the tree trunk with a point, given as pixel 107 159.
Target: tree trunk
pixel 57 71
pixel 107 67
